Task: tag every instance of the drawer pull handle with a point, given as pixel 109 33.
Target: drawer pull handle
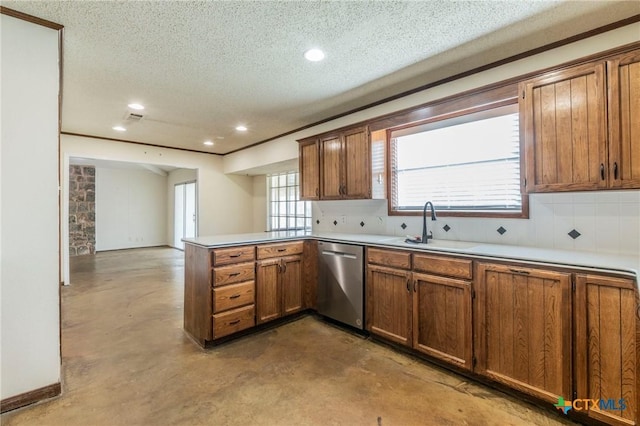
pixel 236 255
pixel 234 322
pixel 519 271
pixel 235 296
pixel 280 250
pixel 234 274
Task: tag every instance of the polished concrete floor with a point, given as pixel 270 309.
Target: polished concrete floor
pixel 126 361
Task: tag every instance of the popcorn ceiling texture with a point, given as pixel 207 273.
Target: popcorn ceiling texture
pixel 607 221
pixel 203 67
pixel 82 210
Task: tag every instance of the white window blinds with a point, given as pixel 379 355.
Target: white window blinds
pixel 467 163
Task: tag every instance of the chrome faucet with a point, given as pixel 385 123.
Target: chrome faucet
pixel 425 237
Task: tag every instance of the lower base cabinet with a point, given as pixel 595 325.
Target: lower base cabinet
pixel 523 329
pixel 279 289
pixel 607 353
pixel 442 318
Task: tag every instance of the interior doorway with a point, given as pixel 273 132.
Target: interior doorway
pixel 185 213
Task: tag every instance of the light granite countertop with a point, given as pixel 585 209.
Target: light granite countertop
pixel 627 265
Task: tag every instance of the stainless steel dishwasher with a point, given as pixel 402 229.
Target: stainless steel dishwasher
pixel 340 285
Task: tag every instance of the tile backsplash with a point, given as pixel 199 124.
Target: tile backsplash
pixel 603 222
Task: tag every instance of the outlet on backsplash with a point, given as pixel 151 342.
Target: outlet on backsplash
pixel 599 221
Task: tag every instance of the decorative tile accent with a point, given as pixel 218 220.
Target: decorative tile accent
pixel 574 234
pixel 361 223
pixel 501 230
pixel 446 228
pixel 317 221
pixel 335 222
pixel 403 226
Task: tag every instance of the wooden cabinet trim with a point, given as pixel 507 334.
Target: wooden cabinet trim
pixel 226 256
pixel 440 265
pixel 279 250
pixel 392 258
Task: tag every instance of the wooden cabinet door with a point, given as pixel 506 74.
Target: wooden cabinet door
pixel 331 186
pixel 268 295
pixel 309 170
pixel 291 285
pixel 357 163
pixel 607 347
pixel 523 334
pixel 563 117
pixel 442 318
pixel 624 124
pixel 389 303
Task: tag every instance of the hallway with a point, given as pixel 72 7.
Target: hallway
pixel 127 361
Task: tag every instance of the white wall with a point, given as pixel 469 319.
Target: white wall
pixel 131 209
pixel 175 177
pixel 224 201
pixel 260 203
pixel 286 148
pixel 29 284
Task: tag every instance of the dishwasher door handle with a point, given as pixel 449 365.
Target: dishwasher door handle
pixel 339 253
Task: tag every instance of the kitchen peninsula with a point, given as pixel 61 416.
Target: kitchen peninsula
pixel 548 324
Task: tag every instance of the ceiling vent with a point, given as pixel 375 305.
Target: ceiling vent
pixel 133 117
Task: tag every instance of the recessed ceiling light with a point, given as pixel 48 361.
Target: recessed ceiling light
pixel 119 129
pixel 208 143
pixel 241 128
pixel 136 106
pixel 314 55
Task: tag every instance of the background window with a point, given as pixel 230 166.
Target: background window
pixel 285 210
pixel 469 163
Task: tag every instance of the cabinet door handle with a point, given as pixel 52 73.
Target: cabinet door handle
pixel 317 192
pixel 415 286
pixel 602 171
pixel 519 271
pixel 615 170
pixel 234 322
pixel 235 296
pixel 408 285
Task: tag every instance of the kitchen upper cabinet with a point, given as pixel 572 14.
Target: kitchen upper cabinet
pixel 523 329
pixel 607 346
pixel 580 128
pixel 331 160
pixel 623 74
pixel 563 117
pixel 309 170
pixel 340 165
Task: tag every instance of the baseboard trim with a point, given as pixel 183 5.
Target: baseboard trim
pixel 30 397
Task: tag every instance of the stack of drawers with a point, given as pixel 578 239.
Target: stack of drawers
pixel 233 278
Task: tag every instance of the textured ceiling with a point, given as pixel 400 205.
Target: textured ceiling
pixel 203 67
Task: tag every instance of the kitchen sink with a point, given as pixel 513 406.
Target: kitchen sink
pixel 435 244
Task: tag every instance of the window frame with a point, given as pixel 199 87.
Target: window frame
pixel 269 201
pixel 468 103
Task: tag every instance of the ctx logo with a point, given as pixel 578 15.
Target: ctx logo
pixel 589 404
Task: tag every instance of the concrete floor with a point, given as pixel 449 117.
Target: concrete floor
pixel 127 361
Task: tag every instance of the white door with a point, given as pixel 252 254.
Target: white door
pixel 185 213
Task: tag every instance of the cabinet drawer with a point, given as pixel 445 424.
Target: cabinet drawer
pixel 233 274
pixel 394 259
pixel 226 256
pixel 279 250
pixel 233 321
pixel 447 266
pixel 232 296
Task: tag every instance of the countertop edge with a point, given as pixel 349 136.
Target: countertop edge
pixel 238 240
